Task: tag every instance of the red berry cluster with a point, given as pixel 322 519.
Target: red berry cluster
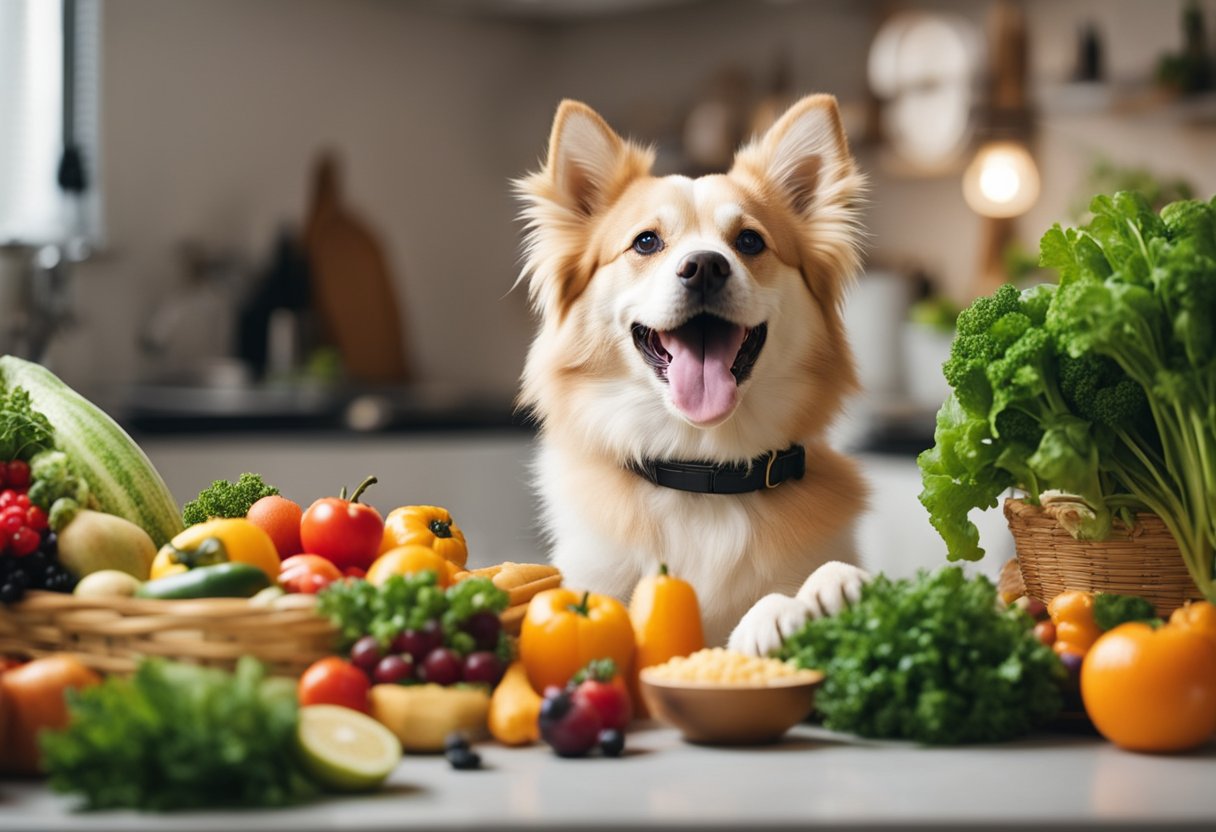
pixel 21 523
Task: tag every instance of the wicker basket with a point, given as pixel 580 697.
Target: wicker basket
pixel 1143 560
pixel 112 634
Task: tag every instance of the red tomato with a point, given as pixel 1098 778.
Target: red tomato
pixel 334 681
pixel 308 574
pixel 600 686
pixel 344 532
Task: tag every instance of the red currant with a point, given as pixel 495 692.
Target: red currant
pixel 36 518
pixel 6 497
pixel 19 473
pixel 3 474
pixel 25 542
pixel 22 499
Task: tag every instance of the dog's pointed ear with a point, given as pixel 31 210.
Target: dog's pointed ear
pixel 587 168
pixel 804 155
pixel 585 157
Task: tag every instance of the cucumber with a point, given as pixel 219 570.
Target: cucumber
pixel 119 474
pixel 222 580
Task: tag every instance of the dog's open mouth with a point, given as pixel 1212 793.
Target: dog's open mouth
pixel 703 360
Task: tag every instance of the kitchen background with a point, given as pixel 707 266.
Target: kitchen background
pixel 261 184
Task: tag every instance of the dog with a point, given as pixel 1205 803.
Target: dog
pixel 689 359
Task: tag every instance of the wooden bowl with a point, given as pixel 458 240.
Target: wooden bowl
pixel 725 714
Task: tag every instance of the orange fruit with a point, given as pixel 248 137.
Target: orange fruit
pixel 409 560
pixel 1151 690
pixel 279 517
pixel 35 702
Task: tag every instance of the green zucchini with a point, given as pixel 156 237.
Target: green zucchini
pixel 223 580
pixel 119 474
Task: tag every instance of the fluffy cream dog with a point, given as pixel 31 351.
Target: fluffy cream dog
pixel 689 359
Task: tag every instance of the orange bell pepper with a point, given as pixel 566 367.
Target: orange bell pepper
pixel 666 622
pixel 1073 614
pixel 1199 616
pixel 563 630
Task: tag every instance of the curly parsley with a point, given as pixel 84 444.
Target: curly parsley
pixel 935 659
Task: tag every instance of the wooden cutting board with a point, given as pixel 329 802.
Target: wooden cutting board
pixel 353 291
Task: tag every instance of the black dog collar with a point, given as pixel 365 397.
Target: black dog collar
pixel 767 471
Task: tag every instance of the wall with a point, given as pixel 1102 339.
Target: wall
pixel 213 112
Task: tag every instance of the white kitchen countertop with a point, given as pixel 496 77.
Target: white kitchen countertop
pixel 812 779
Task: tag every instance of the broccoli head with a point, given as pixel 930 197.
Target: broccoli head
pixel 1096 388
pixel 226 499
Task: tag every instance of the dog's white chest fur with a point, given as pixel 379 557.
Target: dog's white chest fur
pixel 705 539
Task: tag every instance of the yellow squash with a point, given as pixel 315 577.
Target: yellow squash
pixel 515 708
pixel 422 716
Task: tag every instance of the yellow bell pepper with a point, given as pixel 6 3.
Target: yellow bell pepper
pixel 666 623
pixel 243 542
pixel 429 526
pixel 1199 616
pixel 1073 614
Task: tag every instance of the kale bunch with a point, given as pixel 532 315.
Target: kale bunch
pixel 934 659
pixel 1103 387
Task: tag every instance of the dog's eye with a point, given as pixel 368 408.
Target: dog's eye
pixel 647 243
pixel 749 242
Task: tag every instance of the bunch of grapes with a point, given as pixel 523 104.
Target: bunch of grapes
pixel 421 655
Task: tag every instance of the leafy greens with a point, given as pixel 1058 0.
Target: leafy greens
pixel 176 736
pixel 23 431
pixel 935 659
pixel 1103 387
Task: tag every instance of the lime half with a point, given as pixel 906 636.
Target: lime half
pixel 346 750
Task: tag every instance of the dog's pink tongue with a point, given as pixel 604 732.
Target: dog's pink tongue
pixel 702 352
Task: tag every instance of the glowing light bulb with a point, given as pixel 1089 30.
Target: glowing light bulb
pixel 1001 181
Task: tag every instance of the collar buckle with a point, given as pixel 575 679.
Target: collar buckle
pixel 768 471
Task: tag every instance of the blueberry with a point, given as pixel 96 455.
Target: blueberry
pixel 456 741
pixel 612 742
pixel 555 706
pixel 463 759
pixel 11 593
pixel 50 543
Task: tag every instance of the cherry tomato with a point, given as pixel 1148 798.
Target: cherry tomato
pixel 333 681
pixel 1151 690
pixel 601 687
pixel 345 532
pixel 308 574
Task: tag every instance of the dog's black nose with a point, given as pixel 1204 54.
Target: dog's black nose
pixel 704 272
